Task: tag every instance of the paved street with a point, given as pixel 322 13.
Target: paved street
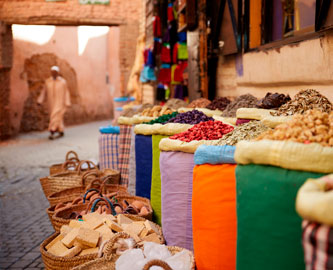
pixel 23 220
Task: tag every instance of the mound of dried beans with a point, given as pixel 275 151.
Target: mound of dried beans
pixel 210 130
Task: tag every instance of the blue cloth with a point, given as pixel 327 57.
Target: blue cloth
pixel 148 74
pixel 182 36
pixel 151 59
pixel 214 154
pixel 109 130
pixel 144 165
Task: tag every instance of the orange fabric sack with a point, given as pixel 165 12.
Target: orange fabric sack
pixel 214 216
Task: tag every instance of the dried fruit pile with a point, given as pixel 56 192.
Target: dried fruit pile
pixel 156 111
pixel 128 112
pixel 210 130
pixel 199 103
pixel 243 101
pixel 192 117
pixel 312 127
pixel 305 100
pixel 245 132
pixel 219 104
pixel 273 101
pixel 162 119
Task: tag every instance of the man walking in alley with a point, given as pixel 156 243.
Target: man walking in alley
pixel 58 100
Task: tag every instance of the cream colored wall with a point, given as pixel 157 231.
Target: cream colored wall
pixel 91 68
pixel 308 64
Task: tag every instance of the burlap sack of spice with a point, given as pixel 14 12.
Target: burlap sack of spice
pixel 159 129
pixel 286 154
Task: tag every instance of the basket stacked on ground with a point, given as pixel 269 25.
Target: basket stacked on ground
pixel 108 262
pixel 58 168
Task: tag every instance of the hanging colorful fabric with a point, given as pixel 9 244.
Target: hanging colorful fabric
pixel 147 74
pixel 175 53
pixel 145 56
pixel 182 51
pixel 179 91
pixel 167 92
pixel 151 59
pixel 182 37
pixel 178 76
pixel 165 53
pixel 157 26
pixel 173 69
pixel 165 75
pixel 157 46
pixel 171 16
pixel 160 92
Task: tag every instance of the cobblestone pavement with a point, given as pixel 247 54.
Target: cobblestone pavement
pixel 24 223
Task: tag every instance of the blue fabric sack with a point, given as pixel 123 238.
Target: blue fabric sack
pixel 144 165
pixel 215 154
pixel 109 130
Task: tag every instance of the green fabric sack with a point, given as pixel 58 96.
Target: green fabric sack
pixel 155 193
pixel 269 231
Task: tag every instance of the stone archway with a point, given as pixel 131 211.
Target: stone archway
pixel 37 69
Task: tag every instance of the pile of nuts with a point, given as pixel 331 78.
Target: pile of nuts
pixel 210 130
pixel 312 127
pixel 219 103
pixel 199 103
pixel 243 101
pixel 245 132
pixel 305 100
pixel 156 111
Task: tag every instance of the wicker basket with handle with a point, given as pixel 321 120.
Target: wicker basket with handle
pixel 70 194
pixel 67 179
pixel 58 168
pixel 108 262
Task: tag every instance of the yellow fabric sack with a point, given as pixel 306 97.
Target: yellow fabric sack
pixel 167 144
pixel 273 121
pixel 286 154
pixel 314 203
pixel 253 113
pixel 159 129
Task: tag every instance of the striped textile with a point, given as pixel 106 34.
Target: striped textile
pixel 108 151
pixel 132 166
pixel 124 153
pixel 318 246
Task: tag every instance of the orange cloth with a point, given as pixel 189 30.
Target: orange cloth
pixel 214 216
pixel 58 98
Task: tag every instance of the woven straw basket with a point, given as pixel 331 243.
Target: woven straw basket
pixel 63 216
pixel 67 179
pixel 71 194
pixel 58 168
pixel 108 262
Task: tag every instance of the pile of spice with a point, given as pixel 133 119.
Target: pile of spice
pixel 210 130
pixel 273 101
pixel 175 103
pixel 219 103
pixel 143 107
pixel 199 103
pixel 245 132
pixel 305 100
pixel 192 117
pixel 130 112
pixel 243 101
pixel 162 119
pixel 311 127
